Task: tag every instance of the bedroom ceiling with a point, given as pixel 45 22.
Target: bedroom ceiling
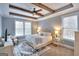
pixel 25 10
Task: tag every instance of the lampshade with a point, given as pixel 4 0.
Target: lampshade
pixel 38 29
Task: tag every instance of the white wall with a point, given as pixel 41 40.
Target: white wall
pixel 0 26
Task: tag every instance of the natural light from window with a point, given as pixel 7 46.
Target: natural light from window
pixel 27 28
pixel 70 25
pixel 18 28
pixel 22 28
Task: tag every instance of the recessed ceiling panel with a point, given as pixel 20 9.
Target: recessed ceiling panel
pixel 55 6
pixel 30 7
pixel 23 13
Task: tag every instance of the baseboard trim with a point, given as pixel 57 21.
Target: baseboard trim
pixel 64 45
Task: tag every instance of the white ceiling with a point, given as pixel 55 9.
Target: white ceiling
pixel 74 8
pixel 30 7
pixel 4 9
pixel 55 6
pixel 23 13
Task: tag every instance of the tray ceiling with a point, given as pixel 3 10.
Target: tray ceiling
pixel 25 10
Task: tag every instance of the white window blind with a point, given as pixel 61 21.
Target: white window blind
pixel 27 28
pixel 18 28
pixel 70 25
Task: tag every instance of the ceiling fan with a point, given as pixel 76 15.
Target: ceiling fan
pixel 36 11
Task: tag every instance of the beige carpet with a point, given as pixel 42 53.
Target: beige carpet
pixel 49 50
pixel 52 50
pixel 6 51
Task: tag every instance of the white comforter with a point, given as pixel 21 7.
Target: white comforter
pixel 42 41
pixel 37 41
pixel 23 49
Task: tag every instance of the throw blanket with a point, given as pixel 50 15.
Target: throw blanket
pixel 23 49
pixel 31 44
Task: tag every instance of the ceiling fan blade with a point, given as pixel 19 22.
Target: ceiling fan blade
pixel 39 10
pixel 34 9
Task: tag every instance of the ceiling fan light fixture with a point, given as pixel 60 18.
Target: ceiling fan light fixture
pixel 34 14
pixel 36 11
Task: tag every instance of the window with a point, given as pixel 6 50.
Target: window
pixel 69 26
pixel 21 29
pixel 27 28
pixel 18 28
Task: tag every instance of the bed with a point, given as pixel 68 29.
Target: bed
pixel 32 44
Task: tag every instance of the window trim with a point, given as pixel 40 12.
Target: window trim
pixel 23 27
pixel 15 28
pixel 68 28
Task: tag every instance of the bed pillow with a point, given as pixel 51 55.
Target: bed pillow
pixel 44 34
pixel 38 40
pixel 30 38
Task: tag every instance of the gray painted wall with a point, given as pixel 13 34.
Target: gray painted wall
pixel 0 25
pixel 9 23
pixel 48 24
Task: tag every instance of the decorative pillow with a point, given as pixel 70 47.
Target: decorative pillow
pixel 42 34
pixel 29 38
pixel 38 40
